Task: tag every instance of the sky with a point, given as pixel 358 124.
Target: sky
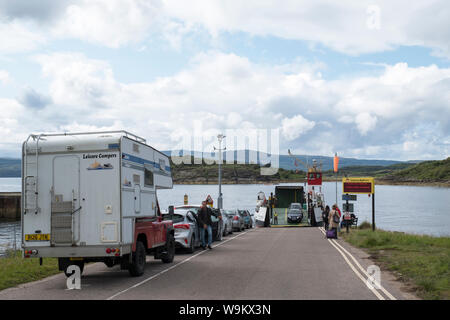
pixel 365 79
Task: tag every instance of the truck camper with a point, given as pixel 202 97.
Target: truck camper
pixel 92 197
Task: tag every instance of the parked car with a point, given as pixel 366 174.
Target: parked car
pixel 250 219
pixel 227 223
pixel 237 220
pixel 187 234
pixel 217 224
pixel 247 219
pixel 295 213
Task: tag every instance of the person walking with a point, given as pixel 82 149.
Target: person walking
pixel 325 214
pixel 275 218
pixel 204 217
pixel 340 215
pixel 333 220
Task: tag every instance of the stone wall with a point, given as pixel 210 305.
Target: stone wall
pixel 10 205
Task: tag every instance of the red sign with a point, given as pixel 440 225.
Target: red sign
pixel 315 178
pixel 357 187
pixel 209 200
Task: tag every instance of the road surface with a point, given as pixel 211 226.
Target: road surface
pixel 262 263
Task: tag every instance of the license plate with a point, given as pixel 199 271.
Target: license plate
pixel 37 237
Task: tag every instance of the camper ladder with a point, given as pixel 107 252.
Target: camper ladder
pixel 30 186
pixel 61 221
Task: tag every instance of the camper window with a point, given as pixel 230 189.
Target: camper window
pixel 148 178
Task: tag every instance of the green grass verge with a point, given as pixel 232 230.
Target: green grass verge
pixel 422 261
pixel 15 270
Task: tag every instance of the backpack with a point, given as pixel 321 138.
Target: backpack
pixel 336 217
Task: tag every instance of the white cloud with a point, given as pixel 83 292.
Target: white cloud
pixel 110 23
pixel 366 116
pixel 4 77
pixel 19 36
pixel 292 128
pixel 365 122
pixel 345 26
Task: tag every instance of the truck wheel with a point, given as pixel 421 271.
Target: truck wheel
pixel 168 256
pixel 80 264
pixel 138 265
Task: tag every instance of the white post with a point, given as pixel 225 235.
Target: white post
pixel 219 200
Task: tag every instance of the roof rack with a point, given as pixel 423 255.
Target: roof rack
pixel 126 133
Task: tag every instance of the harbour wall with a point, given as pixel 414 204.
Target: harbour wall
pixel 10 205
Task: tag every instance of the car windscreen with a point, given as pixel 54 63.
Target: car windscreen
pixel 295 206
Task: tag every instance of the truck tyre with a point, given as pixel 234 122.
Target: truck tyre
pixel 80 264
pixel 168 255
pixel 137 267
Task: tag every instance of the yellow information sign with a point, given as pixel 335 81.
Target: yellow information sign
pixel 358 185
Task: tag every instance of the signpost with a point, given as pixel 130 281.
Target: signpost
pixel 364 185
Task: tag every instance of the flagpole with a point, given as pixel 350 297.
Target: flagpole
pixel 335 164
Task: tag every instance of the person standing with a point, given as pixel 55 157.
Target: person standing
pixel 325 215
pixel 333 220
pixel 204 217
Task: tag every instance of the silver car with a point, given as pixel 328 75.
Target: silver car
pixel 295 213
pixel 187 234
pixel 227 223
pixel 238 222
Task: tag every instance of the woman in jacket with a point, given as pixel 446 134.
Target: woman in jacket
pixel 333 219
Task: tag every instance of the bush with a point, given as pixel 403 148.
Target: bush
pixel 365 225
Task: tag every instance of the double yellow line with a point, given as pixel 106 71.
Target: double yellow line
pixel 363 275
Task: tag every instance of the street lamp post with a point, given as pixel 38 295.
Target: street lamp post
pixel 219 200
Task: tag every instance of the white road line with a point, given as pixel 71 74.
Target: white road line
pixel 390 296
pixel 172 267
pixel 376 293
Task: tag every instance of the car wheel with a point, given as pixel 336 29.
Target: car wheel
pixel 137 267
pixel 168 256
pixel 191 248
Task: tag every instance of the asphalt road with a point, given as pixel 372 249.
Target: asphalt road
pixel 263 263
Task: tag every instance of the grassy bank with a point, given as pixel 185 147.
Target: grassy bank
pixel 421 261
pixel 15 270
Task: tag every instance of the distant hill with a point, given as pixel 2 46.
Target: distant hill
pixel 427 171
pixel 10 168
pixel 372 171
pixel 390 171
pixel 286 162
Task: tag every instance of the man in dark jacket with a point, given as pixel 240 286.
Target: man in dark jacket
pixel 204 219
